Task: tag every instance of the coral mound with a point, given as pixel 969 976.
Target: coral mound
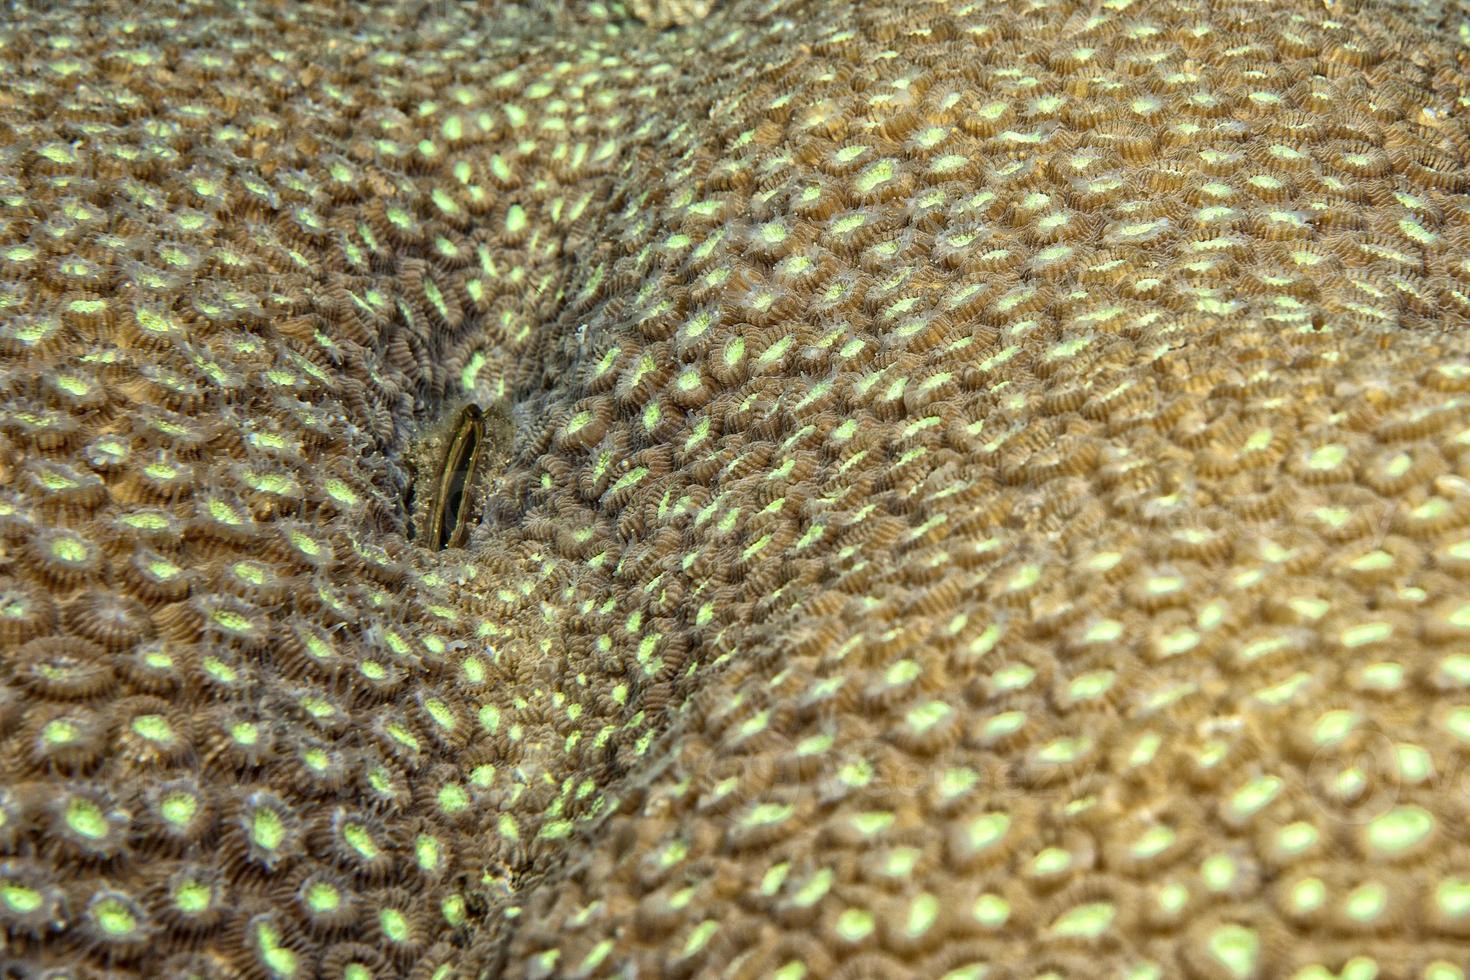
pixel 977 488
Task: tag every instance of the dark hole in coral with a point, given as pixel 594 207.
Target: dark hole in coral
pixel 410 497
pixel 448 514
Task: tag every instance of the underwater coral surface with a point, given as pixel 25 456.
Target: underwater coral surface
pixel 923 489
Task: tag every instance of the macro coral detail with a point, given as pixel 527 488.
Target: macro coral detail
pixel 939 489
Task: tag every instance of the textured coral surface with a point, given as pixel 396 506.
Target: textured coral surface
pixel 987 491
pixel 662 13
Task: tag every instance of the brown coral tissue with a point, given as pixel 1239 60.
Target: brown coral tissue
pixel 943 488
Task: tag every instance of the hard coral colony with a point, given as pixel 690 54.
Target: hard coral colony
pixel 968 489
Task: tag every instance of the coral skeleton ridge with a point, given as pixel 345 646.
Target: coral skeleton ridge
pixel 936 489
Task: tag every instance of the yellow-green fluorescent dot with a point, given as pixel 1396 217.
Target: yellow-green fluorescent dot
pixel 1218 871
pixel 341 492
pixel 1180 641
pixel 855 925
pixel 1161 585
pixel 1091 685
pixel 1053 254
pixel 1399 829
pixel 1458 722
pixel 18 898
pixel 440 713
pixel 1236 948
pixel 774 878
pixel 1171 898
pixel 1146 105
pixel 555 830
pixel 322 897
pixel 1459 618
pixel 1328 457
pixel 700 936
pixel 85 818
pixel 114 917
pixel 874 175
pixel 179 808
pixel 1414 763
pixel 1087 921
pixel 1350 782
pixel 70 549
pixel 1064 750
pixel 927 715
pixel 987 830
pixel 1372 561
pixel 227 675
pixel 475 364
pixel 1383 676
pixel 689 380
pixel 931 136
pixel 1003 724
pixel 358 838
pixel 765 814
pixel 1334 726
pixel 1365 634
pixel 1452 896
pixel 901 861
pixel 403 736
pixel 1296 837
pixel 1366 902
pixel 453 798
pixel 60 731
pixel 672 853
pixel 1023 578
pixel 956 782
pixel 1440 969
pixel 230 620
pixel 515 219
pixel 1051 860
pixel 508 827
pixel 1153 842
pixel 597 956
pixel 394 925
pixel 773 233
pixel 267 830
pixel 991 910
pixel 1454 670
pixel 923 913
pixel 277 958
pixel 814 890
pixel 1103 631
pixel 1417 232
pixel 873 822
pixel 1145 749
pixel 1307 896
